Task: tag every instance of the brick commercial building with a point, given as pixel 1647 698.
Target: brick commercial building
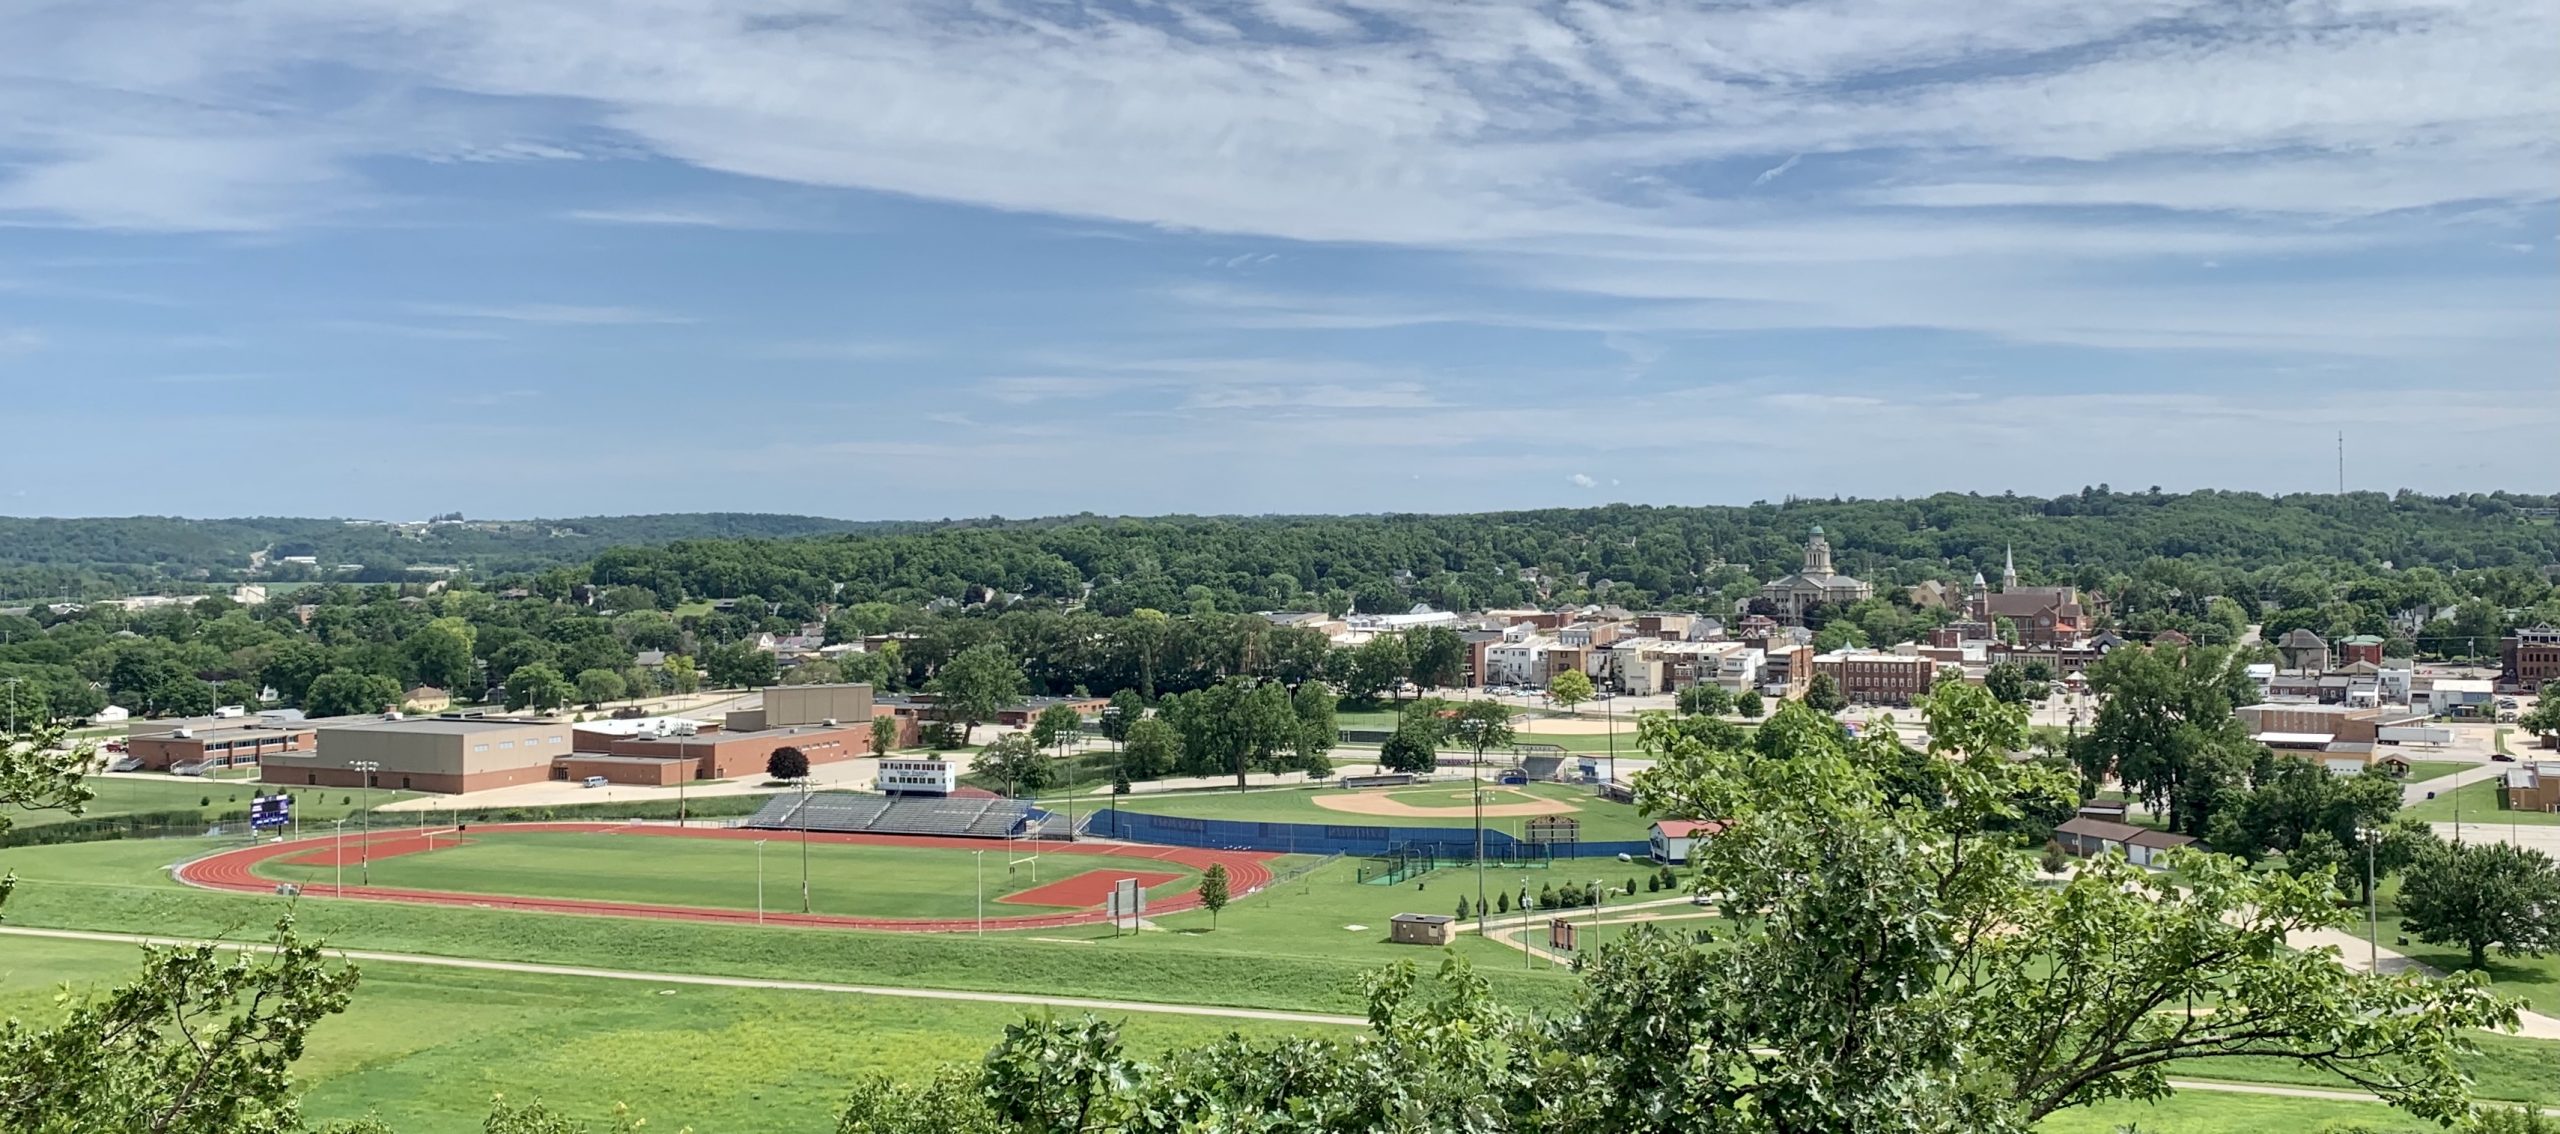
pixel 434 754
pixel 2531 658
pixel 213 742
pixel 1879 679
pixel 644 771
pixel 724 755
pixel 2534 786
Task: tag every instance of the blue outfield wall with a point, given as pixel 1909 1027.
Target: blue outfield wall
pixel 1327 838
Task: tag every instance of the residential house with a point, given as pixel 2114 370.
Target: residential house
pixel 2303 651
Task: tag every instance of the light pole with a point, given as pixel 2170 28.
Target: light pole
pixel 760 881
pixel 13 704
pixel 804 844
pixel 1476 772
pixel 339 856
pixel 1528 960
pixel 979 877
pixel 2372 907
pixel 1599 892
pixel 1609 712
pixel 364 846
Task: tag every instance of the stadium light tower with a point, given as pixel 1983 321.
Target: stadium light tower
pixel 760 881
pixel 364 846
pixel 804 844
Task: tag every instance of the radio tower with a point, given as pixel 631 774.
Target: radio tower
pixel 2342 462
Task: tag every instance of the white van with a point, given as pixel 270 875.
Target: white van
pixel 592 781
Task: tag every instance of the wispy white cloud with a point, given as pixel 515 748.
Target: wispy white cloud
pixel 1779 170
pixel 1582 480
pixel 20 340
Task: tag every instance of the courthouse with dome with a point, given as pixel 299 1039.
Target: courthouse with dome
pixel 1816 584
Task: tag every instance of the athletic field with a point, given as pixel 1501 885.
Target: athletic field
pixel 1441 803
pixel 705 874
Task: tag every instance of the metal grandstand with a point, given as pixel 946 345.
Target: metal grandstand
pixel 905 815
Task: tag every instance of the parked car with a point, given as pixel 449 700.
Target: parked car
pixel 592 781
pixel 2506 702
pixel 2502 758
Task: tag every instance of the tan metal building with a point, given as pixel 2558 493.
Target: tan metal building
pixel 433 754
pixel 1422 929
pixel 786 705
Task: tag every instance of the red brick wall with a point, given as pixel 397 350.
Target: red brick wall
pixel 666 773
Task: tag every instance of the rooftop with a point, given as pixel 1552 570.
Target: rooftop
pixel 440 726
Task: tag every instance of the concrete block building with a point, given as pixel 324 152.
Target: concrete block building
pixel 432 754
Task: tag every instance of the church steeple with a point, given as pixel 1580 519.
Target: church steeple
pixel 2009 573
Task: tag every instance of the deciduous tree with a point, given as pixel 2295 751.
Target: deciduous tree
pixel 1150 750
pixel 1213 891
pixel 1570 688
pixel 345 693
pixel 975 685
pixel 2480 896
pixel 787 763
pixel 538 687
pixel 1823 695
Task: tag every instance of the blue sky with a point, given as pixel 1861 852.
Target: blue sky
pixel 392 257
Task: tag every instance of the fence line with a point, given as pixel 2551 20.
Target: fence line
pixel 1328 839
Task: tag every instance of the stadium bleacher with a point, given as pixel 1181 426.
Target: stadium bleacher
pixel 905 815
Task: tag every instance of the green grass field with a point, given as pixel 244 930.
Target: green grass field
pixel 874 881
pixel 126 795
pixel 1602 821
pixel 2421 771
pixel 2481 803
pixel 425 1048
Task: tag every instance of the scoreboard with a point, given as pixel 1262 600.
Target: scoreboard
pixel 268 812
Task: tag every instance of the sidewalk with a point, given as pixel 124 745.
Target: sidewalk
pixel 2357 953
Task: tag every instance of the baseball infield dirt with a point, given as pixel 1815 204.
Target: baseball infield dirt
pixel 1385 806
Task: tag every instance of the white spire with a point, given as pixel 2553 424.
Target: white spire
pixel 2009 572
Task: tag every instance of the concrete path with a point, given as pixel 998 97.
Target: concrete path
pixel 2359 953
pixel 1026 1000
pixel 2544 837
pixel 2416 793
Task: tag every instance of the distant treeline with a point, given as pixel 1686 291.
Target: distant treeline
pixel 108 557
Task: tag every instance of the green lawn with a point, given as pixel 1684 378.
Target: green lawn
pixel 1307 962
pixel 1602 821
pixel 126 795
pixel 425 1048
pixel 2481 802
pixel 879 881
pixel 2421 771
pixel 2202 1112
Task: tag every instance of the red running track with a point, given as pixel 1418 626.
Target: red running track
pixel 235 871
pixel 1090 888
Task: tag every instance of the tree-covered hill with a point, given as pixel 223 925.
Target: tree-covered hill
pixel 2196 544
pixel 101 557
